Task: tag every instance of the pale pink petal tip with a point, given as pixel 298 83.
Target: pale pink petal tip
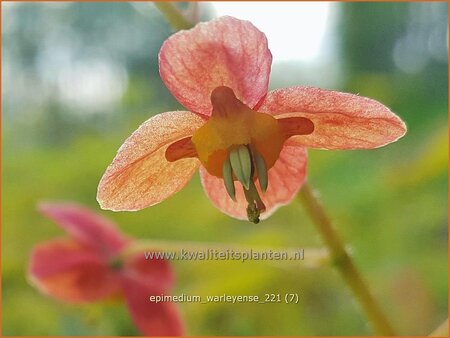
pixel 222 52
pixel 140 175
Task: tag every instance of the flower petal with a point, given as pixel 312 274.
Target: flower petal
pixel 151 318
pixel 140 175
pixel 285 179
pixel 341 120
pixel 86 226
pixel 71 272
pixel 154 273
pixel 223 52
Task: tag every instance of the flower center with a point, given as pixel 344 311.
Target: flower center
pixel 240 144
pixel 233 124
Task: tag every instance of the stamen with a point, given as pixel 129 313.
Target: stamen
pixel 261 170
pixel 227 174
pixel 242 164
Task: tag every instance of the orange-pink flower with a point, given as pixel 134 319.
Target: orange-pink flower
pixel 87 267
pixel 249 143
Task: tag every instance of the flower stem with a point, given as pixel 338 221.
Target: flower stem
pixel 173 15
pixel 312 257
pixel 343 262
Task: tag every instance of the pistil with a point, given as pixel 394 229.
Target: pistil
pixel 255 204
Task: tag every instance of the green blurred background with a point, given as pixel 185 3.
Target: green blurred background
pixel 78 78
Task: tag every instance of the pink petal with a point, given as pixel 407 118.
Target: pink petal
pixel 151 318
pixel 86 226
pixel 140 175
pixel 69 271
pixel 285 179
pixel 341 120
pixel 222 52
pixel 154 273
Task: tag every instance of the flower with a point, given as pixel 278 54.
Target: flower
pixel 249 143
pixel 87 267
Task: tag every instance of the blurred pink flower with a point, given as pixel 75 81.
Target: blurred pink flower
pixel 86 267
pixel 236 131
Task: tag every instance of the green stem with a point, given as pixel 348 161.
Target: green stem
pixel 344 263
pixel 313 257
pixel 441 331
pixel 173 15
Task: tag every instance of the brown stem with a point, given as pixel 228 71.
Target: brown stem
pixel 344 263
